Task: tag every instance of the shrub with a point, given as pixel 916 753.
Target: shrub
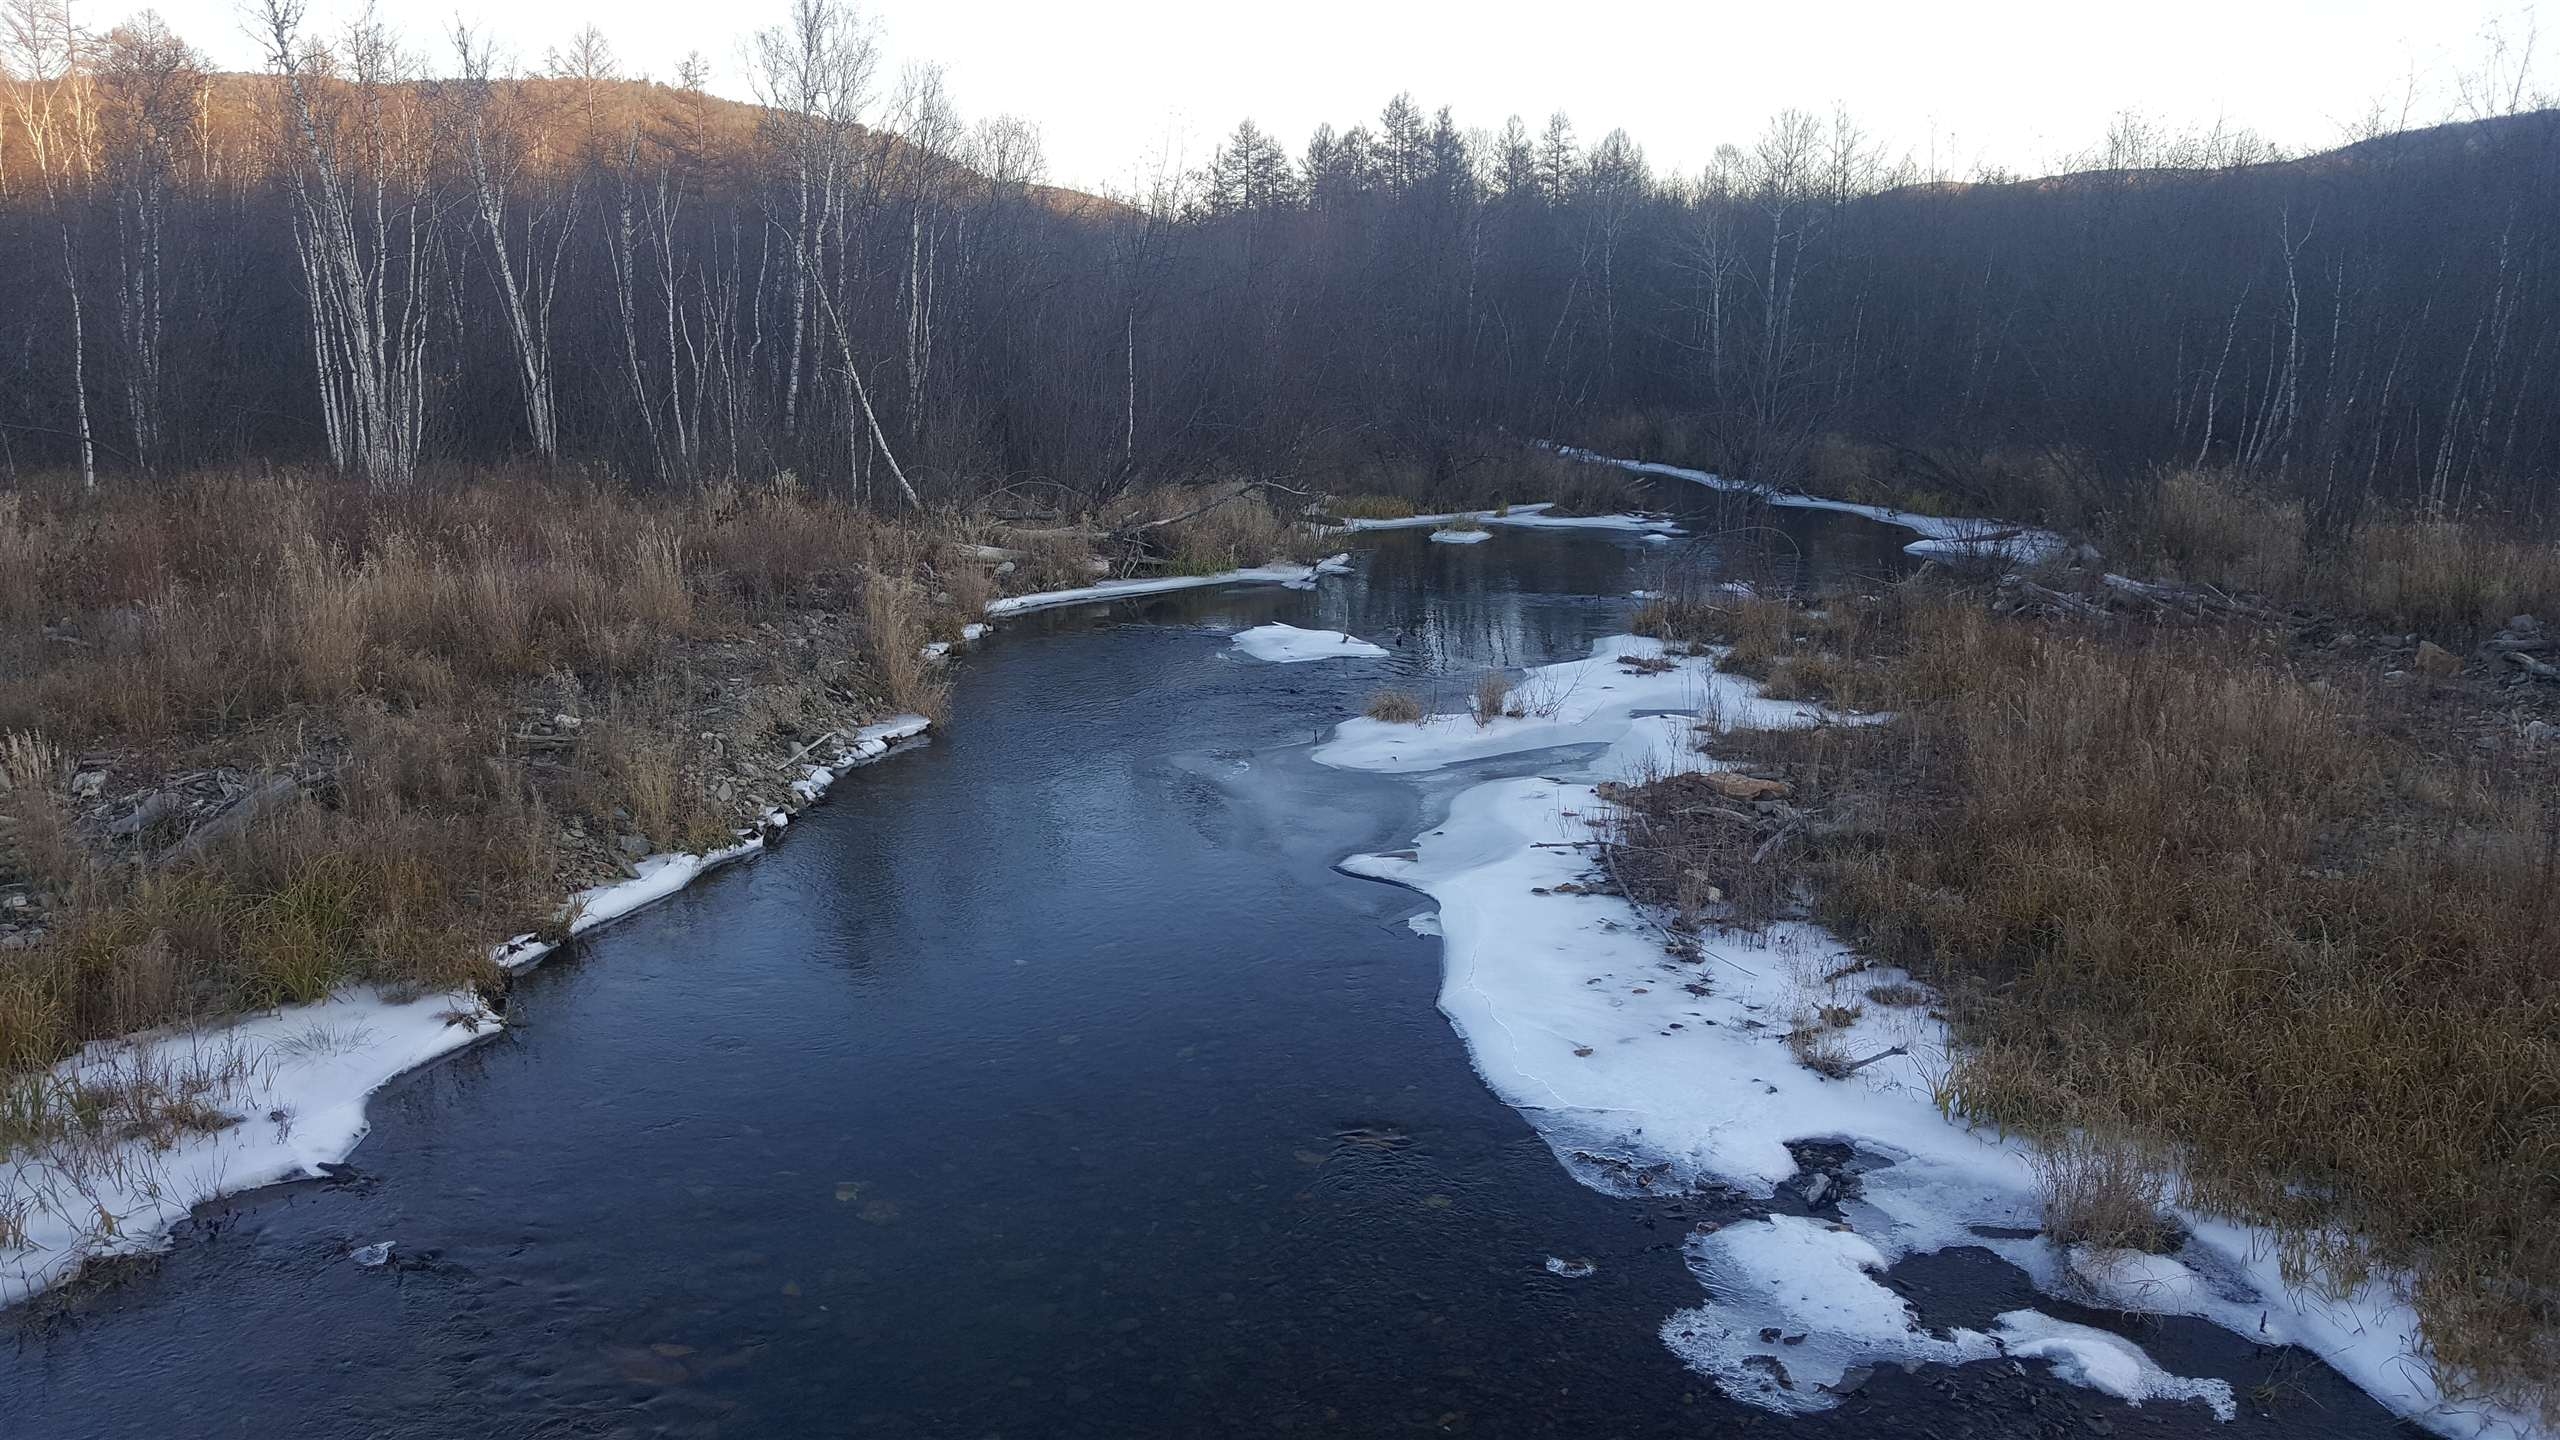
pixel 1376 507
pixel 1396 707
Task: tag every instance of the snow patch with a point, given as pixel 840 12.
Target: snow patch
pixel 1289 645
pixel 1593 700
pixel 1460 537
pixel 1797 1304
pixel 1800 1314
pixel 2103 1360
pixel 938 649
pixel 291 1082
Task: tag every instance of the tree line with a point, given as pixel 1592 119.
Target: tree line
pixel 389 251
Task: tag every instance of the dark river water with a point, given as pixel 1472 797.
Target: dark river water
pixel 1046 1081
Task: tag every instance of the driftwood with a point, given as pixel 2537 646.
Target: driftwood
pixel 158 807
pixel 1854 1066
pixel 2538 669
pixel 233 818
pixel 784 767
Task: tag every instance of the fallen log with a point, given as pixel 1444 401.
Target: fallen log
pixel 2538 669
pixel 233 818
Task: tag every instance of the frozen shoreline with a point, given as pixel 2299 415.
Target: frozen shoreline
pixel 298 1077
pixel 1641 1071
pixel 1532 516
pixel 1941 537
pixel 1296 577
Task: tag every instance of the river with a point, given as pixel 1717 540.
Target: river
pixel 1046 1081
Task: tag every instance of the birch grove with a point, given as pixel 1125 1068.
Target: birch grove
pixel 351 258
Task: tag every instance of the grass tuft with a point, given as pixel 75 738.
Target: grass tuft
pixel 1396 707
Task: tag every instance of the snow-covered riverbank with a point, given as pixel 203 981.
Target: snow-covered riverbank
pixel 1941 537
pixel 292 1081
pixel 1646 1072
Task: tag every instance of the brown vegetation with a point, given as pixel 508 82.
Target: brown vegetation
pixel 2247 906
pixel 1396 707
pixel 268 734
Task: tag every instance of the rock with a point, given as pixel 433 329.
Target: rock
pixel 1734 786
pixel 2434 659
pixel 1816 1187
pixel 2539 732
pixel 631 845
pixel 2523 627
pixel 89 784
pixel 567 722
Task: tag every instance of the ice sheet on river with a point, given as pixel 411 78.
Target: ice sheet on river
pixel 1647 1073
pixel 1518 517
pixel 1288 645
pixel 1296 577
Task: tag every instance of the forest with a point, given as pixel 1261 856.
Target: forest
pixel 392 253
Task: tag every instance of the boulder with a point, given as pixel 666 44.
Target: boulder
pixel 2434 659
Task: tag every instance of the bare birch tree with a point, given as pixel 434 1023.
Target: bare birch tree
pixel 365 233
pixel 528 272
pixel 153 83
pixel 48 52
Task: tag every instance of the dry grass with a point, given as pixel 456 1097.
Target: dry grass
pixel 895 634
pixel 1478 473
pixel 1238 532
pixel 2232 918
pixel 2447 579
pixel 1375 507
pixel 1396 707
pixel 2103 1193
pixel 1491 697
pixel 386 649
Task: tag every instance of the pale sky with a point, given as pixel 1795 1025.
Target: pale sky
pixel 2015 83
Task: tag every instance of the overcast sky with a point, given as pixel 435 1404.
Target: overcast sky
pixel 2020 84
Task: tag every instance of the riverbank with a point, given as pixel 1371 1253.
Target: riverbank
pixel 2152 1106
pixel 281 750
pixel 2240 916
